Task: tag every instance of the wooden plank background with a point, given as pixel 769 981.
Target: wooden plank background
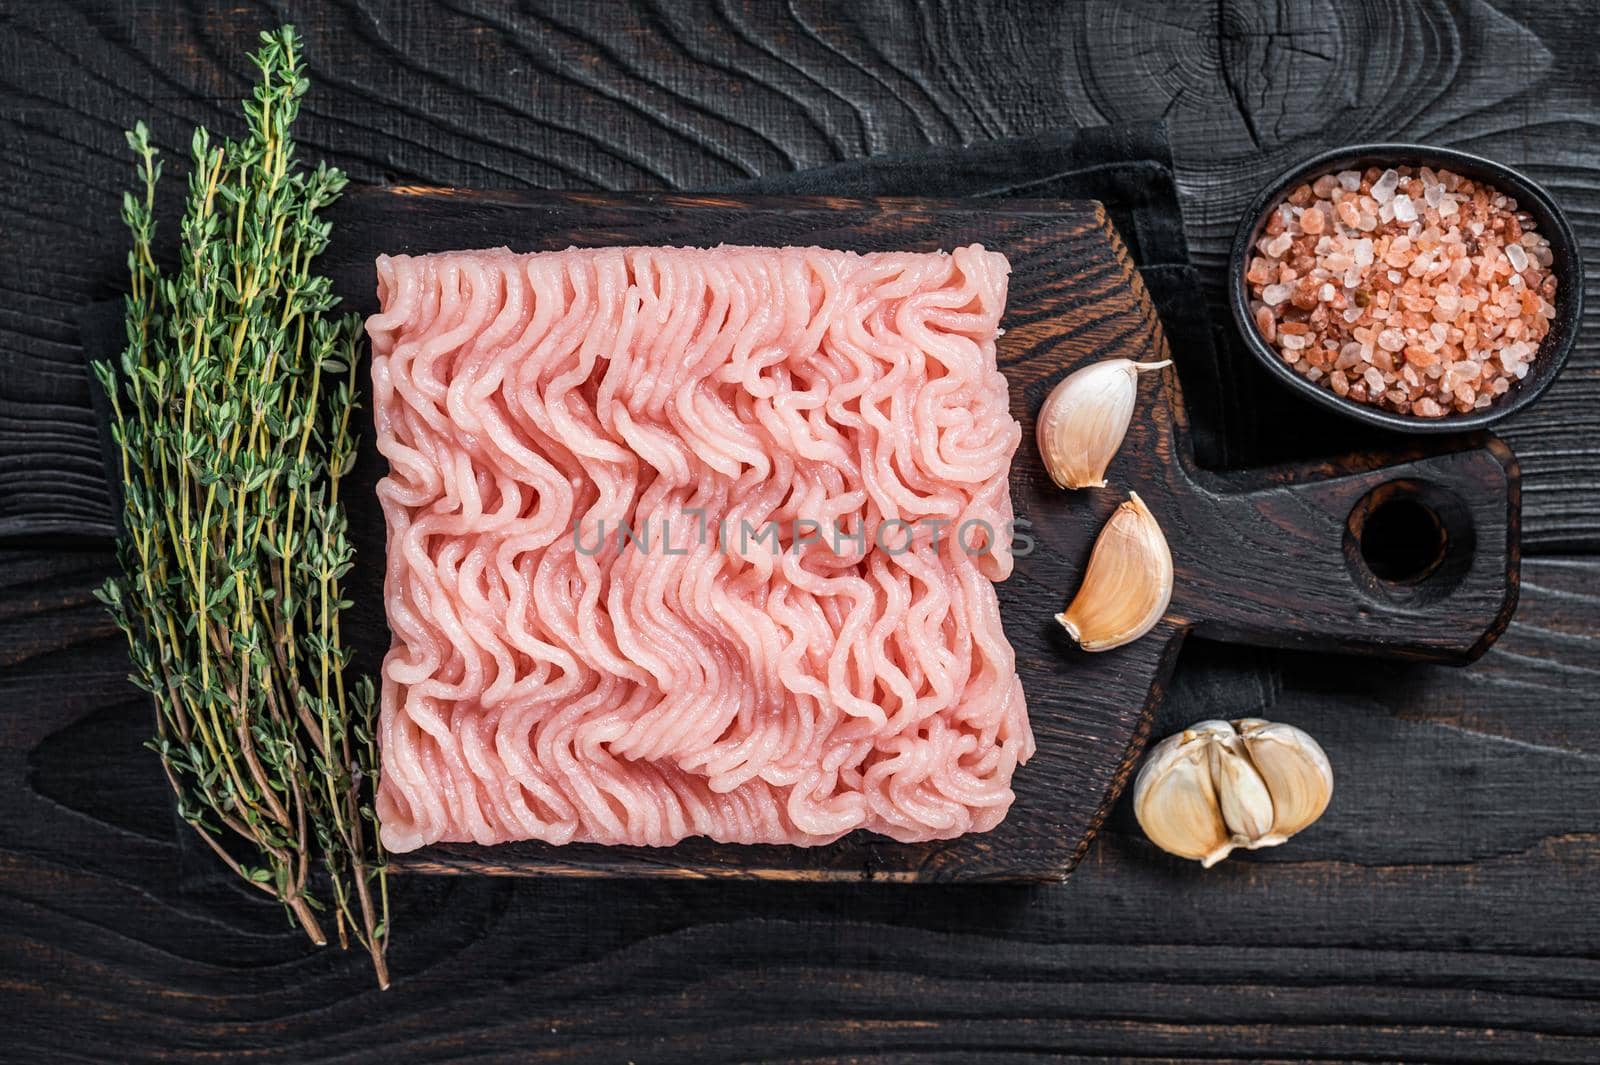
pixel 1442 911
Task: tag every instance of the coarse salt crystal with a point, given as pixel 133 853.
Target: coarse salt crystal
pixel 1391 340
pixel 1383 188
pixel 1325 293
pixel 1350 180
pixel 1292 341
pixel 1404 209
pixel 1433 195
pixel 1363 251
pixel 1352 313
pixel 1373 378
pixel 1272 295
pixel 1518 257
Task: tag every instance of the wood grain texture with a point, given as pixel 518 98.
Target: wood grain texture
pixel 1442 911
pixel 1401 926
pixel 680 95
pixel 1251 88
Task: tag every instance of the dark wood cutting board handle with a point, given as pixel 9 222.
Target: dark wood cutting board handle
pixel 1411 556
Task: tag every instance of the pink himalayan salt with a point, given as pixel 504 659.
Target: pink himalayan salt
pixel 1421 291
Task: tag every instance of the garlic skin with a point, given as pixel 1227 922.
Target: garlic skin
pixel 1296 772
pixel 1216 787
pixel 1128 584
pixel 1085 417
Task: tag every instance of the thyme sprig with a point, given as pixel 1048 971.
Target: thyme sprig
pixel 231 410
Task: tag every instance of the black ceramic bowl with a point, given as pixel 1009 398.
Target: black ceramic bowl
pixel 1530 197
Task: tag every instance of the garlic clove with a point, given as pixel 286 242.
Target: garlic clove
pixel 1176 802
pixel 1242 795
pixel 1128 584
pixel 1085 417
pixel 1295 770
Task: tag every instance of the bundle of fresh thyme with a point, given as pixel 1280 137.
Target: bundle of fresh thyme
pixel 231 408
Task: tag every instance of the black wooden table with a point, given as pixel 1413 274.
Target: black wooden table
pixel 1444 909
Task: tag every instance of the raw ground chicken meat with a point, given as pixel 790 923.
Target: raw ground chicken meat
pixel 550 679
pixel 1419 291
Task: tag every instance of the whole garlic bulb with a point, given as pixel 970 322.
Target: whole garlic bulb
pixel 1216 786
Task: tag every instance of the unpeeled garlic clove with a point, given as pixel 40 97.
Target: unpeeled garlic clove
pixel 1295 770
pixel 1242 795
pixel 1176 803
pixel 1128 584
pixel 1218 786
pixel 1085 417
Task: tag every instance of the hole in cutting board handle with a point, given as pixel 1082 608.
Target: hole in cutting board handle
pixel 1402 541
pixel 1409 541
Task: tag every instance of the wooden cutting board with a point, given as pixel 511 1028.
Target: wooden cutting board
pixel 1272 557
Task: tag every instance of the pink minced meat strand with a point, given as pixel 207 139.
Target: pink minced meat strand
pixel 553 679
